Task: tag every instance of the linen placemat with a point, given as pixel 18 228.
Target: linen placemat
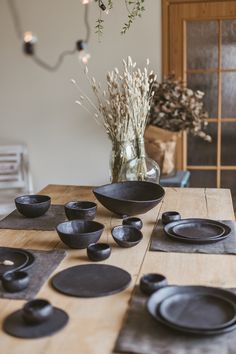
pixel 161 242
pixel 47 222
pixel 142 334
pixel 45 263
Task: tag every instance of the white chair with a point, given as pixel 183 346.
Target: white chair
pixel 15 177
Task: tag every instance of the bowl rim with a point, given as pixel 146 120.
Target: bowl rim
pixel 96 192
pixel 101 228
pixel 127 227
pixel 82 208
pixel 48 199
pixel 91 245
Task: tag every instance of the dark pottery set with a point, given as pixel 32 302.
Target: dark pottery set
pixel 151 282
pixel 32 206
pixel 126 236
pixel 98 251
pixel 194 230
pixel 195 310
pixel 83 210
pixel 37 318
pixel 15 281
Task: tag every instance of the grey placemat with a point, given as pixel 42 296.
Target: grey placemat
pixel 45 263
pixel 46 222
pixel 161 242
pixel 141 334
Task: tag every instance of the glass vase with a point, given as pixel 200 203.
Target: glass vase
pixel 122 152
pixel 140 167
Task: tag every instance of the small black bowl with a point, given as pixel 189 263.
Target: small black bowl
pixel 151 282
pixel 37 311
pixel 136 222
pixel 15 281
pixel 79 233
pixel 33 206
pixel 80 210
pixel 98 251
pixel 170 216
pixel 126 236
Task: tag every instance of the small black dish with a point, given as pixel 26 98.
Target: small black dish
pixel 126 236
pixel 37 311
pixel 84 210
pixel 33 206
pixel 170 216
pixel 79 233
pixel 98 251
pixel 15 281
pixel 151 282
pixel 136 222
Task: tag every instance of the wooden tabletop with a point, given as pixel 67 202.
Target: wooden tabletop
pixel 95 323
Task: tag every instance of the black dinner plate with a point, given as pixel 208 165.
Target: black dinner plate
pixel 210 227
pixel 20 259
pixel 91 280
pixel 198 311
pixel 155 301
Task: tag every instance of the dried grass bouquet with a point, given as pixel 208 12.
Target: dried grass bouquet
pixel 178 108
pixel 122 108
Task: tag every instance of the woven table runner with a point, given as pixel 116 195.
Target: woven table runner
pixel 47 222
pixel 142 334
pixel 45 263
pixel 161 242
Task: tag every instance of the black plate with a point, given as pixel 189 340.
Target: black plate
pixel 198 230
pixel 31 257
pixel 15 325
pixel 156 299
pixel 19 257
pixel 204 239
pixel 91 280
pixel 201 312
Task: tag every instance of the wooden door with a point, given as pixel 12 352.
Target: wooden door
pixel 199 46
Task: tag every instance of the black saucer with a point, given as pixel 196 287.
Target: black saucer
pixel 15 325
pixel 91 280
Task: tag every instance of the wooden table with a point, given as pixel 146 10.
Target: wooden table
pixel 95 323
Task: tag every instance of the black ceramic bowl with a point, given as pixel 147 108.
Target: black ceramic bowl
pixel 130 197
pixel 170 216
pixel 81 210
pixel 98 251
pixel 136 222
pixel 15 281
pixel 126 236
pixel 79 233
pixel 37 311
pixel 33 206
pixel 149 283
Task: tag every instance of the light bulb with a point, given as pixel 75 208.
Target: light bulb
pixel 28 43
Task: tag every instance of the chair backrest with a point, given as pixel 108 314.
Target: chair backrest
pixel 14 168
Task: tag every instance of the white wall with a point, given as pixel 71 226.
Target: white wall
pixel 37 107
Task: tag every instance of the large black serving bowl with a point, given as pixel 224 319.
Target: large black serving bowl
pixel 130 197
pixel 79 233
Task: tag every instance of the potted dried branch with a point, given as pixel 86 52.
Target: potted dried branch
pixel 122 108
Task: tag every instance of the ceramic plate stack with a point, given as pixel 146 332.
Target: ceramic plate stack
pixel 197 230
pixel 194 309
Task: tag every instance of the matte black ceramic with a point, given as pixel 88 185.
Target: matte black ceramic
pixel 16 326
pixel 79 233
pixel 201 311
pixel 149 283
pixel 202 237
pixel 198 230
pixel 91 280
pixel 19 259
pixel 126 236
pixel 136 222
pixel 98 251
pixel 33 206
pixel 130 197
pixel 158 297
pixel 84 210
pixel 170 216
pixel 37 311
pixel 15 281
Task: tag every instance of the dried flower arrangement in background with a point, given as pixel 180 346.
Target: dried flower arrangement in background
pixel 177 108
pixel 122 108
